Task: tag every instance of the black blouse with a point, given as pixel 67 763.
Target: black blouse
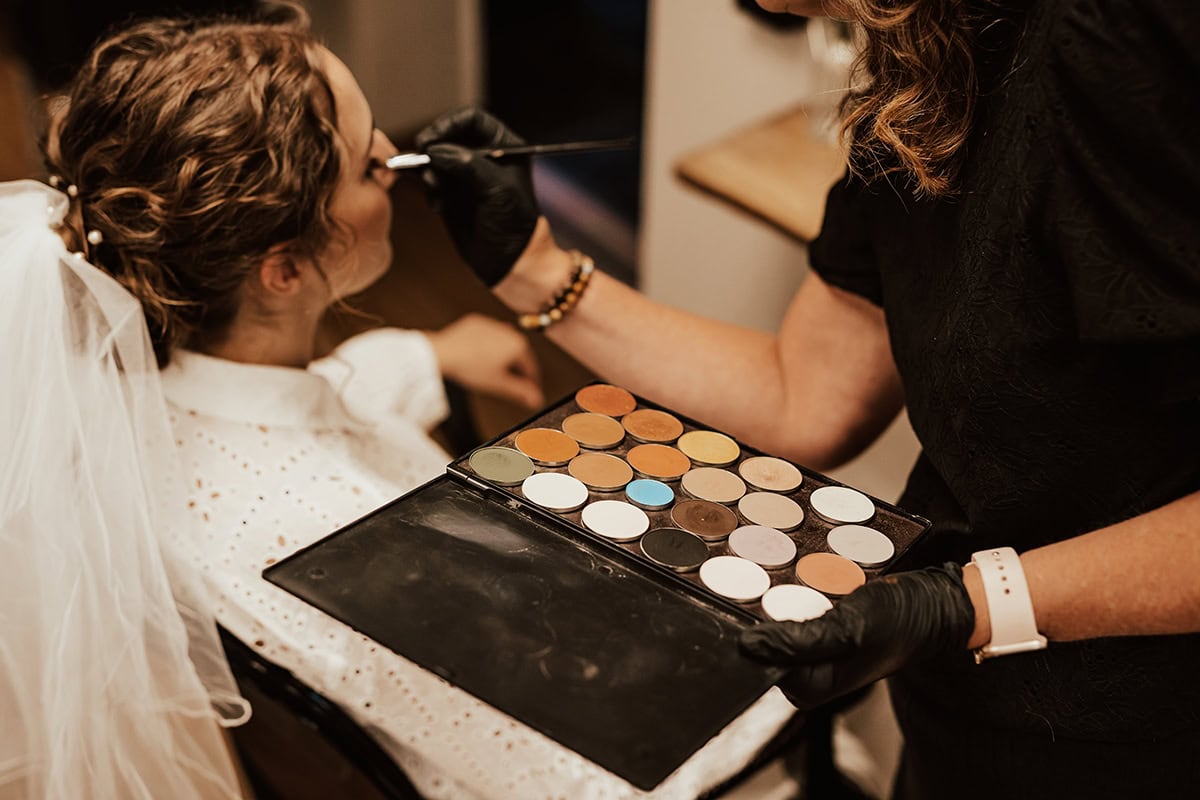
pixel 1046 325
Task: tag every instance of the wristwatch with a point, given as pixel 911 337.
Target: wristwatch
pixel 1014 629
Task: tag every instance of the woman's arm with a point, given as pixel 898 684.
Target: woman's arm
pixel 817 392
pixel 1137 577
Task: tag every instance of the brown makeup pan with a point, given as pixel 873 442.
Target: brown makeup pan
pixel 830 574
pixel 651 425
pixel 546 446
pixel 593 431
pixel 658 461
pixel 601 398
pixel 601 472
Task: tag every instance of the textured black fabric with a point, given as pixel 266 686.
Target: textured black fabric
pixel 1046 324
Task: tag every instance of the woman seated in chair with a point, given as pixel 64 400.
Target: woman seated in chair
pixel 229 175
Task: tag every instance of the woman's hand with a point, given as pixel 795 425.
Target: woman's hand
pixel 868 635
pixel 488 205
pixel 489 356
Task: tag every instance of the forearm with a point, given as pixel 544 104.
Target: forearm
pixel 1137 577
pixel 817 393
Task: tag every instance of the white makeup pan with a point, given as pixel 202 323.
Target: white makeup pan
pixel 789 602
pixel 766 547
pixel 616 520
pixel 839 504
pixel 735 578
pixel 555 491
pixel 866 547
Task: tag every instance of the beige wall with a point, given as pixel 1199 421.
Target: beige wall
pixel 413 58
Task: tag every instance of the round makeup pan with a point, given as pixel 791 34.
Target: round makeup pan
pixel 658 461
pixel 593 431
pixel 841 505
pixel 600 471
pixel 864 546
pixel 709 448
pixel 674 549
pixel 710 521
pixel 788 602
pixel 546 446
pixel 502 466
pixel 616 520
pixel 650 494
pixel 830 574
pixel 735 578
pixel 554 491
pixel 650 425
pixel 603 398
pixel 770 474
pixel 766 547
pixel 771 510
pixel 714 484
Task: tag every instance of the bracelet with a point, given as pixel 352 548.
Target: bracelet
pixel 566 298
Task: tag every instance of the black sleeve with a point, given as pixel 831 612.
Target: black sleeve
pixel 1125 92
pixel 843 254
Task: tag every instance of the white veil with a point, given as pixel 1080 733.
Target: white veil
pixel 113 683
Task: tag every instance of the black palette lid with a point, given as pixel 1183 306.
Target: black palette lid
pixel 590 648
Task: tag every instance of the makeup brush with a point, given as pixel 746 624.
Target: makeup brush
pixel 414 160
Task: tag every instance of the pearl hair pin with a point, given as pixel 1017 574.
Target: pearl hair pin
pixel 94 237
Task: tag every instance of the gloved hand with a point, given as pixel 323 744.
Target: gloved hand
pixel 488 205
pixel 869 634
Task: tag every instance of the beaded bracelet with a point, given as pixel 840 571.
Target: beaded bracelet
pixel 566 298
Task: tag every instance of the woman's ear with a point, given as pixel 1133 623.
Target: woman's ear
pixel 280 273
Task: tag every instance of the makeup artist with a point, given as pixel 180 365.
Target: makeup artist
pixel 1014 256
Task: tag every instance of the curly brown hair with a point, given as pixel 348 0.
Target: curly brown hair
pixel 198 146
pixel 912 101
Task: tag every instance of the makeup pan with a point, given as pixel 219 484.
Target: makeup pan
pixel 771 510
pixel 615 520
pixel 651 425
pixel 736 578
pixel 830 574
pixel 602 398
pixel 601 472
pixel 554 491
pixel 650 494
pixel 675 549
pixel 501 465
pixel 711 483
pixel 840 504
pixel 709 448
pixel 770 474
pixel 546 446
pixel 710 521
pixel 593 431
pixel 766 547
pixel 658 461
pixel 864 546
pixel 788 602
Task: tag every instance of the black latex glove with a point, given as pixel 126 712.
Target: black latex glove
pixel 871 633
pixel 488 204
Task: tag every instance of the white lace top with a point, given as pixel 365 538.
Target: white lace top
pixel 279 458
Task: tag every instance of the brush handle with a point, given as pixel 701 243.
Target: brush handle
pixel 415 160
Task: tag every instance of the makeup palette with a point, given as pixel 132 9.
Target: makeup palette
pixel 590 573
pixel 695 487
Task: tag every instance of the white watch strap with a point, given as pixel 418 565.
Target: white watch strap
pixel 1014 629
